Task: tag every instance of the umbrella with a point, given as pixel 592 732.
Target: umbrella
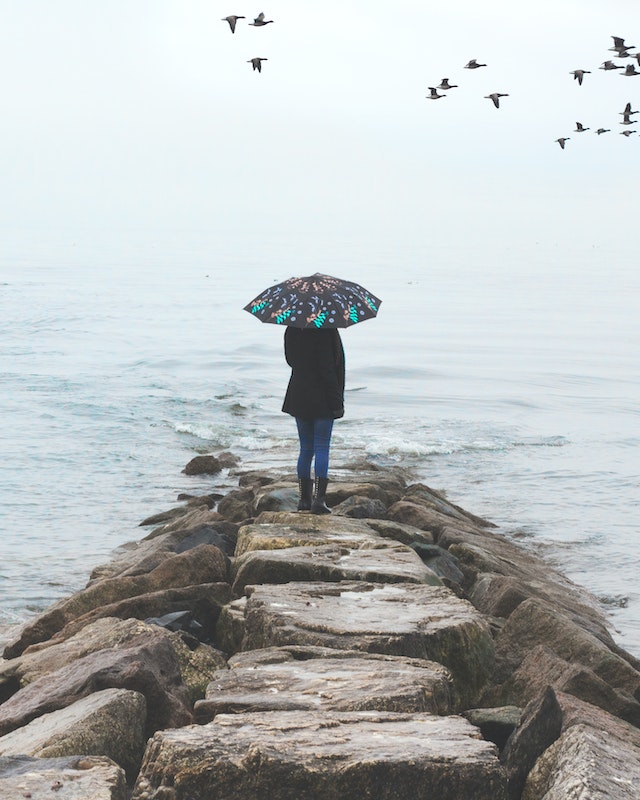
pixel 315 301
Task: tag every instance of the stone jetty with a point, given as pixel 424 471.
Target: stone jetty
pixel 401 647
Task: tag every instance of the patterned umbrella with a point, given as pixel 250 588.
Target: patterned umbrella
pixel 317 301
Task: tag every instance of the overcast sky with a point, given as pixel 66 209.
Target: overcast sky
pixel 144 114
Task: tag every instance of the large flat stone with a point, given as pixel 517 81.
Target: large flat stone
pixel 281 679
pixel 71 778
pixel 383 562
pixel 586 763
pixel 302 755
pixel 109 723
pixel 405 619
pixel 274 530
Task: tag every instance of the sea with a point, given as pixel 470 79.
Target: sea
pixel 507 377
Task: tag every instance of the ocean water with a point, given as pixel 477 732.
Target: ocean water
pixel 509 379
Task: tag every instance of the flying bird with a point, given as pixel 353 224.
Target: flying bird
pixel 473 64
pixel 232 19
pixel 626 120
pixel 444 84
pixel 495 97
pixel 580 128
pixel 257 63
pixel 259 21
pixel 627 133
pixel 627 111
pixel 578 74
pixel 630 70
pixel 561 141
pixel 619 46
pixel 434 94
pixel 602 130
pixel 606 65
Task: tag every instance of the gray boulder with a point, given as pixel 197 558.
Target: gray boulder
pixel 109 723
pixel 405 619
pixel 385 563
pixel 150 668
pixel 309 755
pixel 70 778
pixel 289 679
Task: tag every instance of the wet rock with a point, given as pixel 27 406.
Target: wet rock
pixel 273 530
pixel 197 662
pixel 496 724
pixel 276 497
pixel 542 668
pixel 109 723
pixel 386 492
pixel 384 563
pixel 203 465
pixel 413 620
pixel 202 564
pixel 361 508
pixel 534 623
pixel 281 679
pixel 238 505
pixel 230 630
pixel 583 760
pixel 498 595
pixel 322 754
pixel 150 668
pixel 199 527
pixel 203 600
pixel 70 778
pixel 440 561
pixel 430 498
pixel 400 532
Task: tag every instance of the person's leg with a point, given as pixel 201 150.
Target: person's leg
pixel 322 429
pixel 305 481
pixel 305 435
pixel 321 442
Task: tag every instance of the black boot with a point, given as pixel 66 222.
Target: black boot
pixel 318 506
pixel 306 494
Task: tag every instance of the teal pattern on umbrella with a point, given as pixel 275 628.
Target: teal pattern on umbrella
pixel 315 301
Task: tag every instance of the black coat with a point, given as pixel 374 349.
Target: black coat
pixel 316 386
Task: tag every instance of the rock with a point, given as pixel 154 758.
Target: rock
pixel 150 668
pixel 310 755
pixel 276 497
pixel 361 508
pixel 386 563
pixel 70 778
pixel 430 498
pixel 405 619
pixel 533 623
pixel 238 505
pixel 496 724
pixel 203 601
pixel 138 558
pixel 274 530
pixel 202 564
pixel 197 662
pixel 440 561
pixel 400 532
pixel 109 723
pixel 497 595
pixel 230 630
pixel 541 668
pixel 171 514
pixel 386 492
pixel 203 465
pixel 420 516
pixel 584 762
pixel 289 679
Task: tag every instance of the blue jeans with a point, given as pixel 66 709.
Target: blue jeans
pixel 315 438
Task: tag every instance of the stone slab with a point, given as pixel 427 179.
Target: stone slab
pixel 277 679
pixel 404 619
pixel 301 755
pixel 274 530
pixel 74 778
pixel 384 562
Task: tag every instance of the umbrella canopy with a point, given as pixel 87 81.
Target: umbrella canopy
pixel 316 301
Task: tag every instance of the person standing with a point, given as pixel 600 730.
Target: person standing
pixel 315 397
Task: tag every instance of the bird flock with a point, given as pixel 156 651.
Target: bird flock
pixel 621 50
pixel 258 22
